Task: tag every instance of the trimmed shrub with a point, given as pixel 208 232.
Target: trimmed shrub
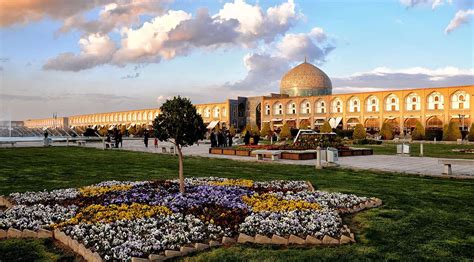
pixel 232 130
pixel 326 128
pixel 266 131
pixel 285 132
pixel 452 132
pixel 255 130
pixel 471 133
pixel 387 131
pixel 359 132
pixel 419 132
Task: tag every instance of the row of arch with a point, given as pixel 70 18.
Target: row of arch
pixel 433 122
pixel 412 102
pixel 145 116
pixel 215 112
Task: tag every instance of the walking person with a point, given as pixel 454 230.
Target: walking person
pixel 145 138
pixel 156 142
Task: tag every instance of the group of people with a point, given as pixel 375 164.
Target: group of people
pixel 248 136
pixel 117 137
pixel 221 138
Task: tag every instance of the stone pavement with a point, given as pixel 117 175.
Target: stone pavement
pixel 391 163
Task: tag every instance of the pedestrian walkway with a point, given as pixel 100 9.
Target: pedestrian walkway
pixel 390 163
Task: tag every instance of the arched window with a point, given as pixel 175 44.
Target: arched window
pixel 207 112
pixel 372 104
pixel 336 105
pixel 305 107
pixel 460 100
pixel 391 103
pixel 291 108
pixel 321 107
pixel 267 109
pixel 217 112
pixel 278 109
pixel 435 101
pixel 412 102
pixel 353 104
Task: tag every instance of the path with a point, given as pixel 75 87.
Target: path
pixel 390 163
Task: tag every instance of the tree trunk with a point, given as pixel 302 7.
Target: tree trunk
pixel 181 176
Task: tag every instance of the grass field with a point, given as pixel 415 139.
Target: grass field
pixel 422 218
pixel 429 150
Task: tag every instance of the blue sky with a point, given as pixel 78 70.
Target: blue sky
pixel 361 45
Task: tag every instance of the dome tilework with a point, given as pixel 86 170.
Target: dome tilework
pixel 305 80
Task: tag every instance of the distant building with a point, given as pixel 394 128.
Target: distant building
pixel 306 100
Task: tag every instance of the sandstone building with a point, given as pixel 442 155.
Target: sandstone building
pixel 306 100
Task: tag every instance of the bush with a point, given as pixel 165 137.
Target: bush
pixel 345 133
pixel 367 142
pixel 359 132
pixel 431 134
pixel 232 130
pixel 255 130
pixel 387 131
pixel 452 132
pixel 419 132
pixel 326 128
pixel 285 132
pixel 266 131
pixel 471 133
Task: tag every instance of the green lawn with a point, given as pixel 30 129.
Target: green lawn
pixel 429 150
pixel 422 218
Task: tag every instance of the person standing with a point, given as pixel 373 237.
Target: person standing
pixel 145 138
pixel 247 138
pixel 213 139
pixel 156 142
pixel 229 137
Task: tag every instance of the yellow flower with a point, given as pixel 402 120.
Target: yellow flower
pixel 269 202
pixel 233 182
pixel 89 191
pixel 99 213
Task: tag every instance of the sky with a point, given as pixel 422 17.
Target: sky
pixel 86 56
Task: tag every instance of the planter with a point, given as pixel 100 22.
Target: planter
pixel 217 151
pixel 298 156
pixel 355 152
pixel 227 151
pixel 242 152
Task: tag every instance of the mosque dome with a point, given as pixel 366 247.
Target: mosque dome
pixel 305 80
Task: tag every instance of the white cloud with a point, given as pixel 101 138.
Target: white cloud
pixel 26 11
pixel 264 70
pixel 96 49
pixel 434 3
pixel 387 78
pixel 114 16
pixel 461 17
pixel 297 47
pixel 177 33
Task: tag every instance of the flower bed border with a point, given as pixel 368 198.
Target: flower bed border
pixel 291 154
pixel 346 238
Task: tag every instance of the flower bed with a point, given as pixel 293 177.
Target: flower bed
pixel 121 220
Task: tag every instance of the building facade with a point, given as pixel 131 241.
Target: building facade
pixel 306 101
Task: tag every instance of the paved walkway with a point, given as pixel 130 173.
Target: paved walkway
pixel 390 163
